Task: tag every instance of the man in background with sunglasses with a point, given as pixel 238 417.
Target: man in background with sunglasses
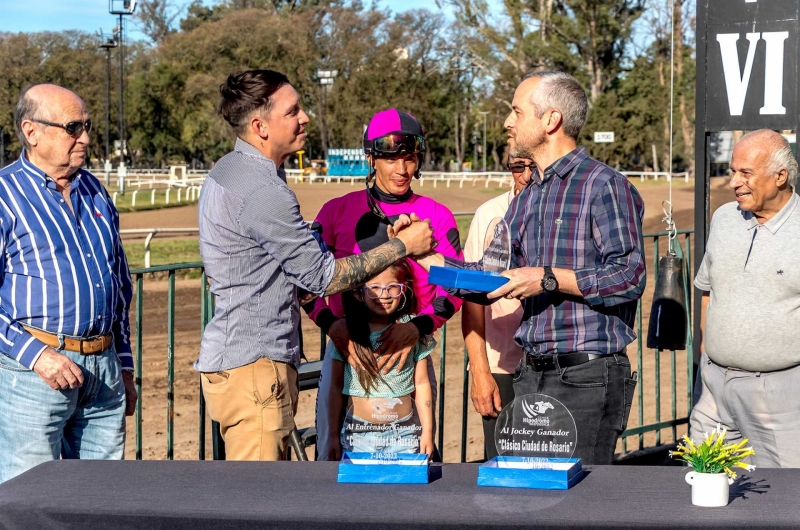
pixel 489 330
pixel 357 222
pixel 66 370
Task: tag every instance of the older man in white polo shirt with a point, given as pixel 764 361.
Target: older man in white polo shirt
pixel 489 331
pixel 750 276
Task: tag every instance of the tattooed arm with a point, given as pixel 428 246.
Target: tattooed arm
pixel 353 271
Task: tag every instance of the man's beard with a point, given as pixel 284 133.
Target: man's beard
pixel 528 148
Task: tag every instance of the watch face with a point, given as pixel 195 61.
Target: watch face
pixel 550 284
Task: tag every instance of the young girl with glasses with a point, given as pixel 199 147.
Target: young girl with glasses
pixel 385 413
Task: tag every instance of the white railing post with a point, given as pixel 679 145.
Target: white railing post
pixel 168 190
pixel 152 197
pixel 147 241
pixel 133 199
pixel 114 198
pixel 179 195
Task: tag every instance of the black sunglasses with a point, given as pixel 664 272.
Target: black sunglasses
pixel 519 167
pixel 73 128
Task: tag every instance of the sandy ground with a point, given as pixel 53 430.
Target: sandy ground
pixel 311 197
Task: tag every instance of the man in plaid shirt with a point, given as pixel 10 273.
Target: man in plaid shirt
pixel 579 269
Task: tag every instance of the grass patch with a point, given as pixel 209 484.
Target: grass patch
pixel 163 252
pixel 145 200
pixel 463 222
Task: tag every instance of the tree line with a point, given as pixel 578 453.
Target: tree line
pixel 455 73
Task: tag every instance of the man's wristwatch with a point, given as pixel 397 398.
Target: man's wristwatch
pixel 549 281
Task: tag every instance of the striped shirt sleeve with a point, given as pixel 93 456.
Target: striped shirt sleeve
pixel 272 219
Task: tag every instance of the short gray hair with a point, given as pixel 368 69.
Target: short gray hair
pixel 559 90
pixel 26 108
pixel 780 152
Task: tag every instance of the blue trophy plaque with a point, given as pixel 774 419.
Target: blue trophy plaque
pixel 380 443
pixel 535 437
pixel 496 259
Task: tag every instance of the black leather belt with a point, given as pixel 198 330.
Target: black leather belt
pixel 543 363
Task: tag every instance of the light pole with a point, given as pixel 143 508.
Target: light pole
pixel 484 113
pixel 107 45
pixel 325 78
pixel 121 8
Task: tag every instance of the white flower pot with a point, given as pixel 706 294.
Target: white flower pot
pixel 709 489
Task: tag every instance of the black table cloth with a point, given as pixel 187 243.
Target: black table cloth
pixel 242 495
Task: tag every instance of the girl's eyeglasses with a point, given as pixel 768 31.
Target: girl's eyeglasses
pixel 393 290
pixel 520 167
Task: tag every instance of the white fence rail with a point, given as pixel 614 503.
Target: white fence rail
pixel 151 233
pixel 656 174
pixel 189 188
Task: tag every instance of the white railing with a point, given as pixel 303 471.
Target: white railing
pixel 152 232
pixel 655 174
pixel 486 177
pixel 426 176
pixel 190 193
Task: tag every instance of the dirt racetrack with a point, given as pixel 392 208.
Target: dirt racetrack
pixel 311 197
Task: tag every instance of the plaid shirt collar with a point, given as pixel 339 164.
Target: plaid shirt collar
pixel 562 167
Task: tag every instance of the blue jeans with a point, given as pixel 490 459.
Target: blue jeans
pixel 361 436
pixel 38 424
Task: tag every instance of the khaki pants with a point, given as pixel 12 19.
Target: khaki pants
pixel 255 406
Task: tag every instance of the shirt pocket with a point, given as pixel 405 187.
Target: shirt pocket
pixel 567 242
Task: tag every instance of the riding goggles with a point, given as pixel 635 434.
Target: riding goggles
pixel 395 144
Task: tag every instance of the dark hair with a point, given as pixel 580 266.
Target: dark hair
pixel 246 92
pixel 357 317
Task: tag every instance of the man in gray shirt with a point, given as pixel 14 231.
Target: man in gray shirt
pixel 750 276
pixel 258 251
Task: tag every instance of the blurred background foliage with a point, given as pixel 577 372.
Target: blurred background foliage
pixel 451 71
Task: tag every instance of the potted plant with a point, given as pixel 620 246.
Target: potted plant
pixel 712 463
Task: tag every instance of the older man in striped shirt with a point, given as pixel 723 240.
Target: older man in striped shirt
pixel 66 367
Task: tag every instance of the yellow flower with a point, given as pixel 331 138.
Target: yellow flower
pixel 721 438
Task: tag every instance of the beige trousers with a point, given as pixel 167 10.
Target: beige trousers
pixel 255 406
pixel 763 407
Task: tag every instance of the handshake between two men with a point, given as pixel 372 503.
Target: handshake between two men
pixel 524 282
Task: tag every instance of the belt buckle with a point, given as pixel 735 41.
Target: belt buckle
pixel 541 363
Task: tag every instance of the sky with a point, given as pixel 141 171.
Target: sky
pixel 92 15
